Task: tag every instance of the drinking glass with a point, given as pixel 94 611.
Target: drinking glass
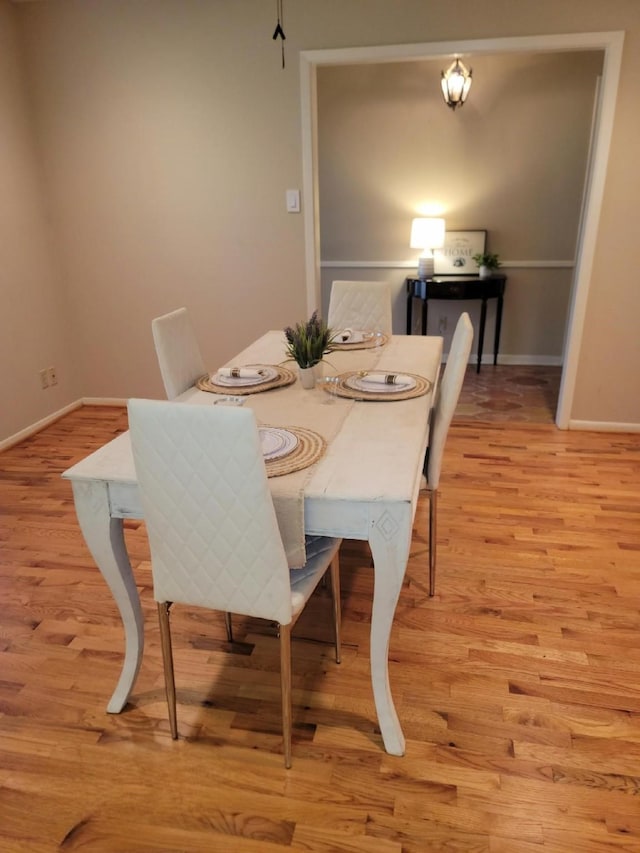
pixel 328 385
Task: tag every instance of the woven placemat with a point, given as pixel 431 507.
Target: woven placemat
pixel 422 386
pixel 284 377
pixel 309 449
pixel 379 341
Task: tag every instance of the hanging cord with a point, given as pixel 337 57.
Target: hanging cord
pixel 279 32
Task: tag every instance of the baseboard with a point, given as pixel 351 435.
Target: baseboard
pixel 515 360
pixel 27 432
pixel 603 426
pixel 104 401
pixel 529 360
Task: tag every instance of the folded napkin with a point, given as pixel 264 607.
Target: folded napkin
pixel 387 378
pixel 241 372
pixel 344 335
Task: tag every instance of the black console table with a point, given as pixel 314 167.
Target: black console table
pixel 458 287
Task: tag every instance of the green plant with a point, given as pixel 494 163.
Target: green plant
pixel 487 259
pixel 308 342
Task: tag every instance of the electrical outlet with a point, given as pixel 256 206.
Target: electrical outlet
pixel 52 376
pixel 442 324
pixel 44 379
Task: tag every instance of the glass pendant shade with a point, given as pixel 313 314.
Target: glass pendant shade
pixel 456 82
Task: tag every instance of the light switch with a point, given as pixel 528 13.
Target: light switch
pixel 293 201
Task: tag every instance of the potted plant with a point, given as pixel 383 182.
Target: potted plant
pixel 487 262
pixel 306 344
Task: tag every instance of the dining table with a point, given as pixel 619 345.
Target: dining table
pixel 364 485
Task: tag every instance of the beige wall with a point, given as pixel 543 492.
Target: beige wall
pixel 33 329
pixel 512 162
pixel 167 135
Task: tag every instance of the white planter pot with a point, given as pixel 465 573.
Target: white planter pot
pixel 485 272
pixel 308 376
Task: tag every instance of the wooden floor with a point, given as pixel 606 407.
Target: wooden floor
pixel 517 686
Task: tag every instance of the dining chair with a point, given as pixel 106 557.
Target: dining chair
pixel 213 531
pixel 448 394
pixel 360 305
pixel 178 352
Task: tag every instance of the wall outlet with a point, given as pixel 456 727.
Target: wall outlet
pixel 44 379
pixel 52 375
pixel 442 324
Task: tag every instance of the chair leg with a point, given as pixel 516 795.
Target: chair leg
pixel 228 625
pixel 335 596
pixel 433 538
pixel 167 662
pixel 285 687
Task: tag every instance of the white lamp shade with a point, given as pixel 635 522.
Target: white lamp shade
pixel 427 233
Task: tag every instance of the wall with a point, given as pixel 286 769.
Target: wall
pixel 512 161
pixel 168 134
pixel 170 142
pixel 33 331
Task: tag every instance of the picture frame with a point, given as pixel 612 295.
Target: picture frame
pixel 455 257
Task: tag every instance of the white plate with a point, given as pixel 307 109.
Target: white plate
pixel 276 442
pixel 357 336
pixel 358 383
pixel 268 373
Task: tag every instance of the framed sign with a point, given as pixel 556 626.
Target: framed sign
pixel 458 250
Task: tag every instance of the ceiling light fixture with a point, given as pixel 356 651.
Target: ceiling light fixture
pixel 456 82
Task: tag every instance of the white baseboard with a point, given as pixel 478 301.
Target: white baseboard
pixel 515 360
pixel 27 432
pixel 603 426
pixel 533 360
pixel 104 401
pixel 38 425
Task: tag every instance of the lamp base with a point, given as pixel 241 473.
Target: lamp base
pixel 425 267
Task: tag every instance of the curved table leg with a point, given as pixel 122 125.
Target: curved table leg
pixel 105 538
pixel 390 541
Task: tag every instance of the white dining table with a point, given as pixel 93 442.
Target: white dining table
pixel 364 487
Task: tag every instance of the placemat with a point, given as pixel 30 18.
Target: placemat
pixel 423 386
pixel 379 341
pixel 311 446
pixel 284 377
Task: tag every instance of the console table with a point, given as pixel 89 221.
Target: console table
pixel 458 287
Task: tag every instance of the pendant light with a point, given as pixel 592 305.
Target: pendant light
pixel 456 82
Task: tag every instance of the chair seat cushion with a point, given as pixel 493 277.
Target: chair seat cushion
pixel 320 551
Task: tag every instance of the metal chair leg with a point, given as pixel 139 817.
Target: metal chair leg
pixel 167 662
pixel 285 687
pixel 335 596
pixel 433 511
pixel 228 625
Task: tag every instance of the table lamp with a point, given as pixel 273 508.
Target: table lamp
pixel 427 233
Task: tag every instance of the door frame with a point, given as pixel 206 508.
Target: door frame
pixel 609 42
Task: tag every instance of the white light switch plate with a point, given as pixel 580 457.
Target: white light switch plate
pixel 293 201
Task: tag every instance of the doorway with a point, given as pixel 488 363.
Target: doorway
pixel 609 43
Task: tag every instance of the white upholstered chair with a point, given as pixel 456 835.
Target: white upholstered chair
pixel 213 531
pixel 178 352
pixel 360 305
pixel 447 398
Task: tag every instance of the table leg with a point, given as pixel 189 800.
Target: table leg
pixel 496 339
pixel 425 315
pixel 410 311
pixel 390 540
pixel 105 538
pixel 483 319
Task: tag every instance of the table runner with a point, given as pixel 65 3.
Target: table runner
pixel 293 406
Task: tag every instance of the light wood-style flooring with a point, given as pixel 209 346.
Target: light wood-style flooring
pixel 517 686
